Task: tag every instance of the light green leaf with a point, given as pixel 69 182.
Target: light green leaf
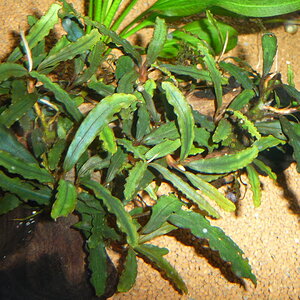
pixel 164 148
pixel 210 191
pixel 155 254
pixel 229 251
pixel 267 142
pixel 24 190
pixel 266 169
pixel 107 136
pixel 8 70
pixel 60 95
pixel 186 189
pixel 65 199
pixel 28 170
pixel 128 276
pixel 88 41
pixel 165 206
pixel 184 115
pixel 255 185
pixel 38 31
pixel 115 207
pixel 225 163
pixel 137 151
pixel 95 121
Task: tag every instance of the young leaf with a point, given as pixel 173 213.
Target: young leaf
pixel 60 95
pixel 128 276
pixel 9 202
pixel 8 70
pixel 83 44
pixel 65 199
pixel 98 117
pixel 17 166
pixel 158 40
pixel 155 254
pixel 24 190
pixel 134 178
pixel 292 130
pixel 115 207
pixel 255 185
pixel 229 251
pixel 269 45
pixel 108 139
pixel 165 206
pixel 210 191
pixel 186 189
pixel 225 163
pixel 184 117
pixel 38 31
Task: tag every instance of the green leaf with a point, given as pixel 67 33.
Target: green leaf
pixel 241 75
pixel 255 185
pixel 222 131
pixel 292 130
pixel 116 165
pixel 88 41
pixel 292 92
pixel 184 115
pixel 137 151
pixel 128 276
pixel 92 164
pixel 143 122
pixel 108 139
pixel 134 178
pixel 269 45
pixel 155 254
pixel 241 99
pixel 164 148
pixel 8 70
pixel 267 142
pixel 210 191
pixel 164 207
pixel 38 31
pixel 97 259
pixel 186 189
pixel 54 154
pixel 115 207
pixel 9 143
pixel 158 40
pixel 266 169
pixel 60 95
pixel 73 27
pixel 101 88
pixel 225 163
pixel 229 251
pixel 272 127
pixel 8 203
pixel 213 70
pixel 65 199
pixel 24 190
pixel 95 121
pixel 17 166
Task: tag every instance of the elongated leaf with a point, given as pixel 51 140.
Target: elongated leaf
pixel 217 239
pixel 137 151
pixel 116 165
pixel 269 45
pixel 10 144
pixel 214 72
pixel 186 189
pixel 158 40
pixel 267 142
pixel 98 117
pixel 38 31
pixel 222 131
pixel 185 117
pixel 191 71
pixel 132 181
pixel 17 166
pixel 25 190
pixel 83 44
pixel 163 149
pixel 292 92
pixel 225 163
pixel 8 203
pixel 65 199
pixel 60 95
pixel 272 127
pixel 155 254
pixel 165 206
pixel 54 154
pixel 266 169
pixel 101 88
pixel 210 191
pixel 8 70
pixel 255 185
pixel 108 139
pixel 115 207
pixel 292 130
pixel 128 276
pixel 241 100
pixel 98 265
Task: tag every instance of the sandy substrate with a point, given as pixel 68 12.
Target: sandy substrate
pixel 269 235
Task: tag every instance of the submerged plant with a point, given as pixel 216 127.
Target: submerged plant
pixel 97 140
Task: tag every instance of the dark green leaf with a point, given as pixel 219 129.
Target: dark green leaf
pixel 8 70
pixel 101 88
pixel 222 131
pixel 163 149
pixel 267 142
pixel 242 99
pixel 8 202
pixel 292 92
pixel 269 45
pixel 54 154
pixel 73 27
pixel 116 164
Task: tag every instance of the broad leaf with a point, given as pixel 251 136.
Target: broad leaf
pixel 8 70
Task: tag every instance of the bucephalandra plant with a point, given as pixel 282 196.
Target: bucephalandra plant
pixel 96 143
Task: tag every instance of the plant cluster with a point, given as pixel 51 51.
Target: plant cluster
pixel 97 143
